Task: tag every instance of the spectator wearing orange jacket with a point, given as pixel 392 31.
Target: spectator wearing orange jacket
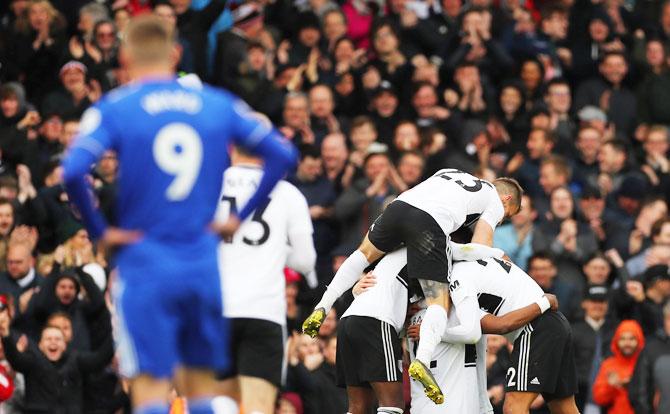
pixel 610 388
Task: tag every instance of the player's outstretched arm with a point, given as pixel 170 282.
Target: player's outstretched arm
pixel 516 319
pixel 474 251
pixel 469 331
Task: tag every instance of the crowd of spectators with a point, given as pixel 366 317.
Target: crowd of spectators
pixel 570 97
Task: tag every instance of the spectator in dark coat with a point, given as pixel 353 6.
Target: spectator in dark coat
pixel 592 336
pixel 360 204
pixel 193 25
pixel 53 373
pixel 20 282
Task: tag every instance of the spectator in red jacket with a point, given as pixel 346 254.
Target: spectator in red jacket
pixel 610 388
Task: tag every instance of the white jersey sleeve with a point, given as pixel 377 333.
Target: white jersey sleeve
pixel 494 213
pixel 302 256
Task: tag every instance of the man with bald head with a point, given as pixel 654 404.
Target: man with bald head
pixel 322 117
pixel 20 279
pixel 335 156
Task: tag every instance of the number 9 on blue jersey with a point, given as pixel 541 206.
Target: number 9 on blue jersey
pixel 177 150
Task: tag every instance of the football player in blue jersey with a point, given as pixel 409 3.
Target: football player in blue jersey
pixel 172 142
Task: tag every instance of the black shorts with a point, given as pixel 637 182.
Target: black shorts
pixel 543 360
pixel 428 251
pixel 257 349
pixel 368 350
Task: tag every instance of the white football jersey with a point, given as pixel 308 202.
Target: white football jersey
pixel 501 287
pixel 454 369
pixel 386 300
pixel 455 199
pixel 252 263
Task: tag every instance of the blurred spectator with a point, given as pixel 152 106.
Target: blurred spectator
pixel 592 336
pixel 655 254
pixel 360 204
pixel 335 161
pixel 609 94
pixel 194 25
pixel 610 387
pixel 650 377
pixel 232 64
pixel 539 144
pixel 516 238
pixel 558 99
pixel 568 240
pixel 542 268
pixel 53 373
pixel 20 282
pixel 332 399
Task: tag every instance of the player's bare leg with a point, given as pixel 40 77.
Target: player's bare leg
pixel 389 396
pixel 258 395
pixel 518 402
pixel 348 274
pixel 149 393
pixel 360 399
pixel 202 390
pixel 432 326
pixel 563 406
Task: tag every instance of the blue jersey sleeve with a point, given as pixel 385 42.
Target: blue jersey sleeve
pixel 95 136
pixel 254 132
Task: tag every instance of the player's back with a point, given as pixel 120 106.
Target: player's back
pixel 387 299
pixel 252 262
pixel 172 143
pixel 501 286
pixel 455 198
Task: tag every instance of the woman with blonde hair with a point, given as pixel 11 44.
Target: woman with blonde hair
pixel 39 49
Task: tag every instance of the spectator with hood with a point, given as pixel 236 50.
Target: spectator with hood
pixel 610 388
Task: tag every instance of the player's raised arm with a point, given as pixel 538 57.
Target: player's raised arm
pixel 255 132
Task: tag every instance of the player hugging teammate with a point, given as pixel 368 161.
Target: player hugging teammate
pixel 467 289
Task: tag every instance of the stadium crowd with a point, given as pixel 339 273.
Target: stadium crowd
pixel 570 97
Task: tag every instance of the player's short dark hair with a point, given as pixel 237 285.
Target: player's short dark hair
pixel 309 150
pixel 509 186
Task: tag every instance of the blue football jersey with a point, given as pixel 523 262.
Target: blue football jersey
pixel 172 143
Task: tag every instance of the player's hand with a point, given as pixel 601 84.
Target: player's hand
pixel 413 331
pixel 553 301
pixel 366 282
pixel 226 230
pixel 114 237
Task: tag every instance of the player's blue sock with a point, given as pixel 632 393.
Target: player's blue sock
pixel 216 405
pixel 153 408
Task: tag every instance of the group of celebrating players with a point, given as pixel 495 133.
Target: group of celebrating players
pixel 169 323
